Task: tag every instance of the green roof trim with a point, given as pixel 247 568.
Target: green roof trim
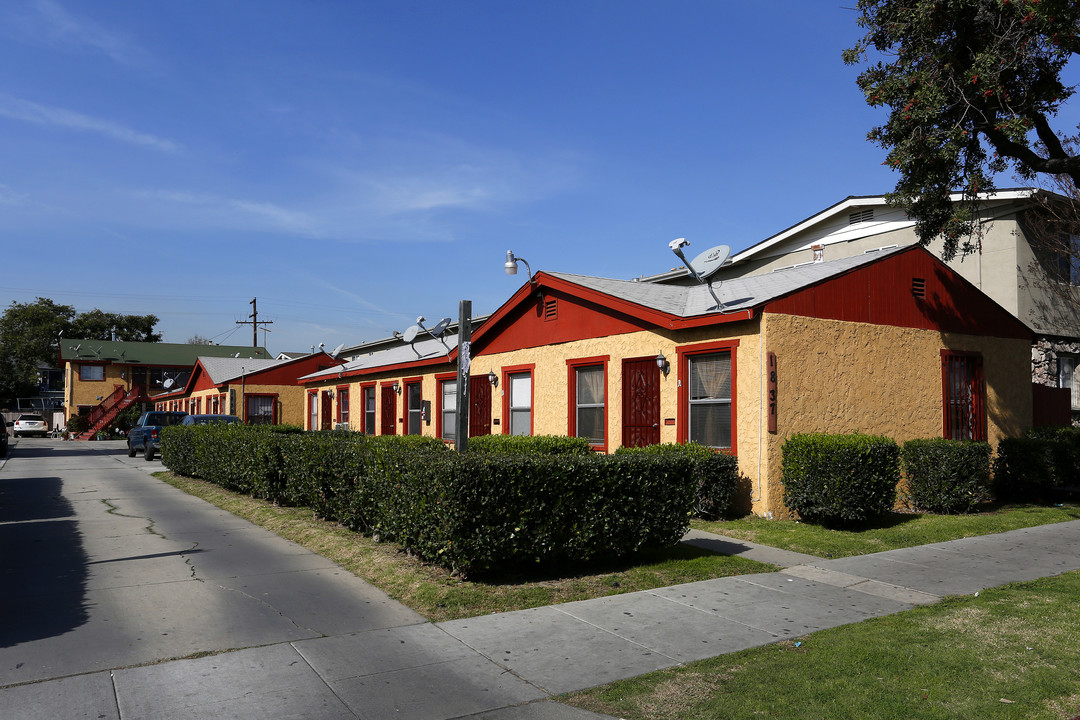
pixel 150 354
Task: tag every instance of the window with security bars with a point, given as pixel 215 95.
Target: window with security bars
pixel 589 391
pixel 260 410
pixel 964 396
pixel 710 399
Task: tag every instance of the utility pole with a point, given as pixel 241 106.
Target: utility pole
pixel 254 322
pixel 461 426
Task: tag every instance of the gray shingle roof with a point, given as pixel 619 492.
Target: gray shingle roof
pixel 424 348
pixel 736 293
pixel 223 369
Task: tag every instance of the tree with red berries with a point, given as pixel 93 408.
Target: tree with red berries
pixel 971 87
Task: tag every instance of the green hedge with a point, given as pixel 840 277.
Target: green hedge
pixel 840 479
pixel 715 475
pixel 472 512
pixel 1036 467
pixel 529 445
pixel 946 476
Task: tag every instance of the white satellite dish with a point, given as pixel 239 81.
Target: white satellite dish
pixel 439 329
pixel 710 261
pixel 410 333
pixel 337 350
pixel 169 382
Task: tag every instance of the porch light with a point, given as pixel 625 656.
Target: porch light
pixel 397 388
pixel 663 364
pixel 511 264
pixel 493 378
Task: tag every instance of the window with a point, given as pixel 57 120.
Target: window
pixel 964 396
pixel 1066 259
pixel 709 399
pixel 448 409
pixel 260 409
pixel 368 398
pixel 91 373
pixel 416 408
pixel 520 403
pixel 313 411
pixel 343 405
pixel 587 395
pixel 1067 378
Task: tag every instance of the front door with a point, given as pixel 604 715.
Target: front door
pixel 641 402
pixel 388 424
pixel 327 416
pixel 479 406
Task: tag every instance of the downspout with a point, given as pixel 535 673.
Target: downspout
pixel 761 401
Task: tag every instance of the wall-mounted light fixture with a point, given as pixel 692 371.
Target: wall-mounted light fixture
pixel 330 394
pixel 511 264
pixel 397 388
pixel 663 364
pixel 493 378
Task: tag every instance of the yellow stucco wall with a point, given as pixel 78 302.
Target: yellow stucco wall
pixel 842 377
pixel 81 392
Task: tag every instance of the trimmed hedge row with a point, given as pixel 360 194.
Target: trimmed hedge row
pixel 946 476
pixel 471 512
pixel 1039 465
pixel 529 445
pixel 840 479
pixel 715 475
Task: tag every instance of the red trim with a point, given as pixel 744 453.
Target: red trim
pixel 311 404
pixel 363 408
pixel 683 353
pixel 406 383
pixel 273 406
pixel 506 373
pixel 91 364
pixel 571 395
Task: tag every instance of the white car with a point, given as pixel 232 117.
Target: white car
pixel 30 425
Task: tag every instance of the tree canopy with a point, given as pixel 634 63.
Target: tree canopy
pixel 30 332
pixel 971 87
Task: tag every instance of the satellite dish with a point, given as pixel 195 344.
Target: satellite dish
pixel 439 329
pixel 169 382
pixel 710 261
pixel 411 333
pixel 337 350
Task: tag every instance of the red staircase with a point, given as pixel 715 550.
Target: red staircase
pixel 108 409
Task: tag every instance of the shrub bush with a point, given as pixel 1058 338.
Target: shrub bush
pixel 715 474
pixel 1036 467
pixel 946 476
pixel 840 479
pixel 529 445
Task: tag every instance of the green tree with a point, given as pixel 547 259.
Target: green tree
pixel 971 87
pixel 30 334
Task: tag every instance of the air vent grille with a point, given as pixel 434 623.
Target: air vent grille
pixel 551 309
pixel 861 216
pixel 918 287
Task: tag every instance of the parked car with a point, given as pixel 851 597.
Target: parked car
pixel 145 434
pixel 31 425
pixel 209 419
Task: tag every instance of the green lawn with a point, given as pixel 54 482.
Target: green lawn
pixel 1011 652
pixel 899 531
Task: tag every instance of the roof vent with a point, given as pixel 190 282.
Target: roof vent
pixel 861 216
pixel 819 253
pixel 918 287
pixel 551 309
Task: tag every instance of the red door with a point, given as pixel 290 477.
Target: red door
pixel 388 424
pixel 327 416
pixel 641 402
pixel 479 406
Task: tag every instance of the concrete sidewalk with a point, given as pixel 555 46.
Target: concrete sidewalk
pixel 507 666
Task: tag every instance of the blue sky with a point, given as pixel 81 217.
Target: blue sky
pixel 355 164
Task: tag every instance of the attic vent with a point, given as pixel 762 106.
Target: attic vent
pixel 551 309
pixel 861 216
pixel 918 287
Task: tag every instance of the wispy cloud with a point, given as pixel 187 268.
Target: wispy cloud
pixel 27 111
pixel 48 23
pixel 234 211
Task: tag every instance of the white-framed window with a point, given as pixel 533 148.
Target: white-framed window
pixel 709 415
pixel 313 411
pixel 589 403
pixel 369 410
pixel 1067 378
pixel 520 403
pixel 448 408
pixel 91 373
pixel 416 408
